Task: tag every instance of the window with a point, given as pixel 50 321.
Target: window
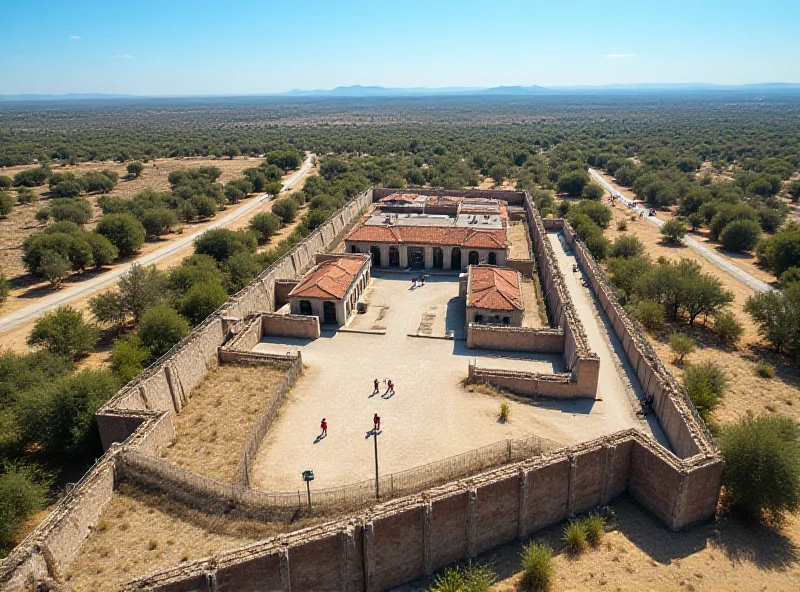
pixel 305 307
pixel 506 320
pixel 354 249
pixel 492 258
pixel 478 318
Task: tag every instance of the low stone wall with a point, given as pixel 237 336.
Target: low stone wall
pixel 525 266
pixel 404 539
pixel 300 326
pixel 248 337
pixel 282 290
pixel 559 386
pixel 503 337
pixel 681 423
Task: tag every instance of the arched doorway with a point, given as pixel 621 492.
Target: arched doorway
pixel 492 258
pixel 438 258
pixel 394 257
pixel 376 255
pixel 474 258
pixel 329 312
pixel 455 258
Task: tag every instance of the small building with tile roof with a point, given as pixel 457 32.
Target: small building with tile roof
pixel 331 289
pixel 494 296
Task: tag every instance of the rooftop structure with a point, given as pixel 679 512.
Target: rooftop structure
pixel 494 295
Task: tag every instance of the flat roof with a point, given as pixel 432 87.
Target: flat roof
pixel 472 220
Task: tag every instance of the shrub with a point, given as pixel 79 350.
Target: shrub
pixel 192 270
pixel 791 276
pixel 42 215
pixel 740 235
pixel 574 537
pixel 5 182
pixel 204 206
pixel 469 578
pixel 594 525
pixel 705 384
pixel 627 247
pixel 5 288
pixel 777 315
pixel 573 183
pixel 141 288
pixel 6 204
pixel 74 210
pixel 158 221
pixel 128 357
pixel 103 251
pixel 202 300
pixel 60 416
pixel 622 225
pixel 681 345
pixel 764 369
pixel 53 266
pixel 537 567
pixel 63 332
pixel 124 231
pixel 160 328
pixel 650 314
pixel 135 169
pixel 593 191
pixel 696 220
pixel 31 177
pixel 222 243
pixel 762 465
pixel 240 269
pixel 505 412
pixel 264 225
pixel 673 231
pixel 727 328
pixel 285 209
pixel 599 213
pixel 23 491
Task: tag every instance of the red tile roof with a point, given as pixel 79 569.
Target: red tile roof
pixel 430 235
pixel 331 278
pixel 495 288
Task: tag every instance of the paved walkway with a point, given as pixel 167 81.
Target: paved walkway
pixel 108 278
pixel 617 385
pixel 431 417
pixel 747 279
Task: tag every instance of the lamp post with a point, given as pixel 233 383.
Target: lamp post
pixel 308 477
pixel 377 485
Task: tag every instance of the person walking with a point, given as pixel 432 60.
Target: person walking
pixel 377 388
pixel 390 386
pixel 422 279
pixel 376 423
pixel 324 427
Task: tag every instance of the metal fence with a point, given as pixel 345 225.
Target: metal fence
pixel 259 430
pixel 193 487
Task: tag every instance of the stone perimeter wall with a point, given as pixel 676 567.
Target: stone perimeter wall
pixel 403 539
pixel 515 338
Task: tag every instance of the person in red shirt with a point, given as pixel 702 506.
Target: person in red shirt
pixel 377 388
pixel 376 423
pixel 324 427
pixel 390 386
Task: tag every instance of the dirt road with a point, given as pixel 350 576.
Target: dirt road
pixel 737 273
pixel 110 277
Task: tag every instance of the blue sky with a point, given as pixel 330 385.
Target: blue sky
pixel 247 46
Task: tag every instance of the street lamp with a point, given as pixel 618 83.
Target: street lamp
pixel 308 477
pixel 375 438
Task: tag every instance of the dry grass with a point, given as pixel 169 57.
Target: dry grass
pixel 746 392
pixel 642 555
pixel 212 429
pixel 520 242
pixel 139 532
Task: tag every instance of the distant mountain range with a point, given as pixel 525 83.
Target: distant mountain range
pixel 358 91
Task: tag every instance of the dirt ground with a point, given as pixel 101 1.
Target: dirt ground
pixel 212 429
pixel 518 237
pixel 639 554
pixel 139 532
pixel 746 391
pixel 431 416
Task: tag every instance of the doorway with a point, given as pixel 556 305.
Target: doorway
pixel 394 257
pixel 492 258
pixel 455 258
pixel 416 257
pixel 474 258
pixel 329 313
pixel 438 258
pixel 375 252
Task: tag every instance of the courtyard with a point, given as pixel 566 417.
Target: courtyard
pixel 432 415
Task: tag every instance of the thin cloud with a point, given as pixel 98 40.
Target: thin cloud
pixel 619 56
pixel 74 37
pixel 123 56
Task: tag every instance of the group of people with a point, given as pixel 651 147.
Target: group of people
pixel 418 282
pixel 376 419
